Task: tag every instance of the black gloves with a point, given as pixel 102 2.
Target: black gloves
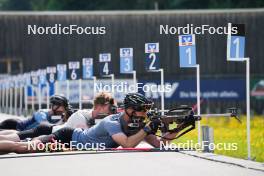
pixel 152 126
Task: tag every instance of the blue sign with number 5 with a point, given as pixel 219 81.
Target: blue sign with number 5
pixel 87 68
pixel 187 50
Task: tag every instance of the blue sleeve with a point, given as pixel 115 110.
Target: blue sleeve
pixel 40 116
pixel 113 128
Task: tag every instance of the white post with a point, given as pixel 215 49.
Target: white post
pixel 248 106
pixel 80 93
pixel 198 100
pixel 15 105
pixel 135 80
pixel 162 90
pixel 2 99
pixel 56 87
pixel 113 82
pixel 32 99
pixel 26 99
pixel 68 89
pixel 48 90
pixel 11 101
pixel 39 96
pixel 20 100
pixel 94 83
pixel 7 100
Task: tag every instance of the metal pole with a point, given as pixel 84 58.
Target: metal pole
pixel 135 80
pixel 7 100
pixel 94 83
pixel 198 100
pixel 26 99
pixel 15 105
pixel 56 87
pixel 39 96
pixel 48 90
pixel 11 101
pixel 248 106
pixel 162 89
pixel 20 100
pixel 80 93
pixel 113 82
pixel 68 89
pixel 32 99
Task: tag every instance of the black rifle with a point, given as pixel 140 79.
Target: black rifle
pixel 182 119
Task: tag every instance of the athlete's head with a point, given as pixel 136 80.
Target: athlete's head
pixel 136 107
pixel 104 104
pixel 59 104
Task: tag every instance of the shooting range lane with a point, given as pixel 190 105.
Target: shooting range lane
pixel 99 163
pixel 154 163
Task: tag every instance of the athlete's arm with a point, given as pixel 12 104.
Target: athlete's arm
pixel 131 141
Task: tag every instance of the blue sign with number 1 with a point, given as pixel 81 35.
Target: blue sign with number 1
pixel 187 50
pixel 237 47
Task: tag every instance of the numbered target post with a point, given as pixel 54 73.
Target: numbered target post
pixel 21 85
pixel 126 63
pixel 62 76
pixel 27 83
pixel 6 96
pixel 1 94
pixel 187 50
pixel 16 86
pixel 152 56
pixel 42 82
pixel 94 84
pixel 51 79
pixel 105 64
pixel 236 52
pixel 87 73
pixel 35 83
pixel 152 64
pixel 11 96
pixel 74 74
pixel 112 76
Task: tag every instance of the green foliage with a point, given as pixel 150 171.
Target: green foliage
pixel 125 4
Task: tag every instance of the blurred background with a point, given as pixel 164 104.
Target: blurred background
pixel 132 23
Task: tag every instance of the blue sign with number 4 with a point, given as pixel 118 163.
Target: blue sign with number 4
pixel 187 50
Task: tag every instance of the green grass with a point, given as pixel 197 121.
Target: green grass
pixel 229 130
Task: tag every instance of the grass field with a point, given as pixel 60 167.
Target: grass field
pixel 229 130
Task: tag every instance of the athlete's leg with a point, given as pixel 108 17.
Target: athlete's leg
pixel 6 132
pixel 19 147
pixel 10 137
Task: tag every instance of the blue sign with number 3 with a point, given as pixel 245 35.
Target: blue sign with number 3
pixel 187 50
pixel 126 60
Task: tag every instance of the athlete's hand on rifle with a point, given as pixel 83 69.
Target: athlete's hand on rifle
pixel 152 126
